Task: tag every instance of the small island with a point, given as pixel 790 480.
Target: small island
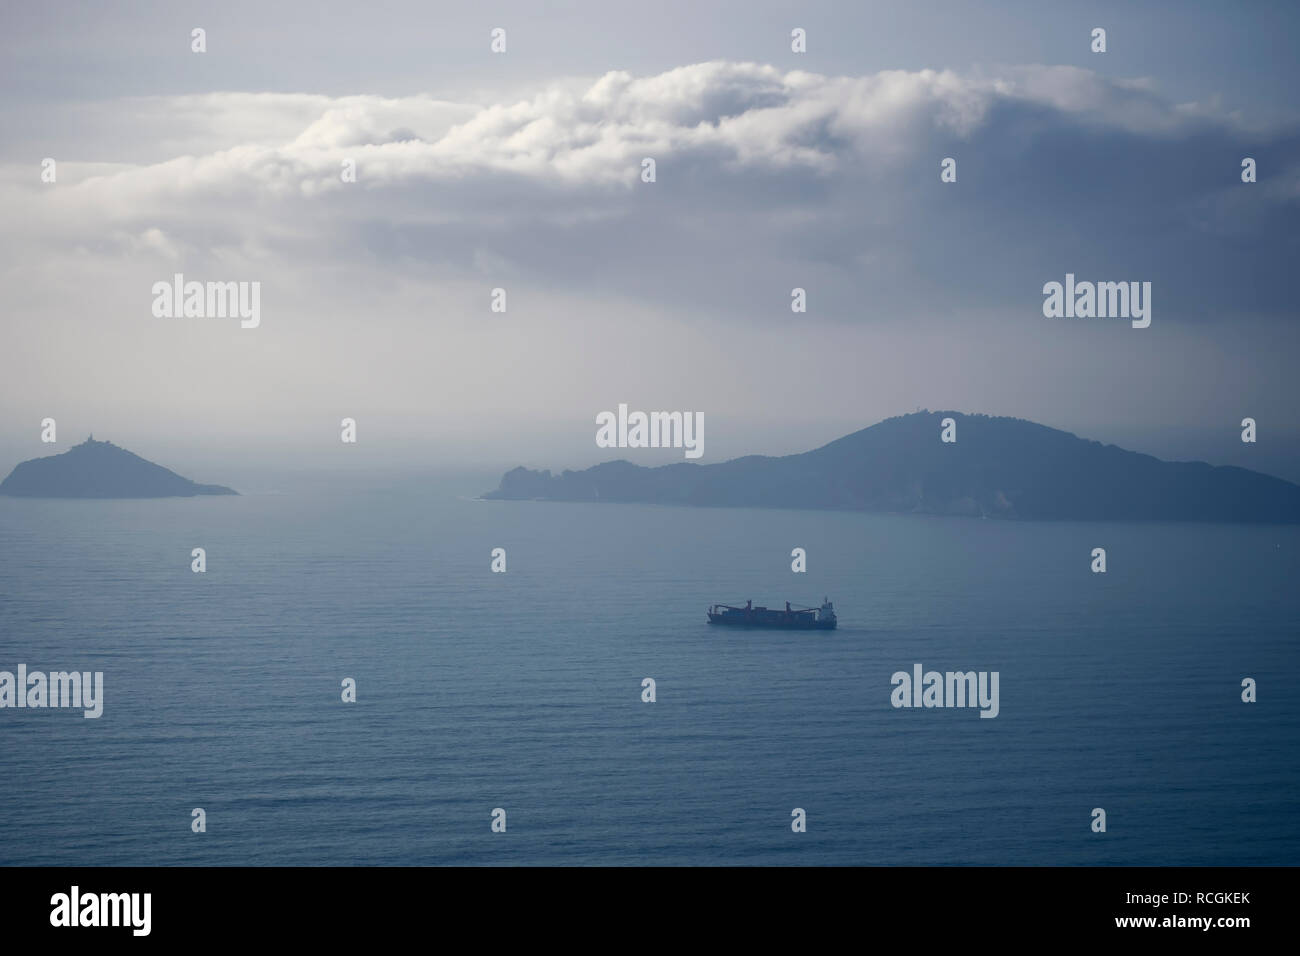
pixel 100 469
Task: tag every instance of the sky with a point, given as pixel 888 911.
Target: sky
pixel 522 170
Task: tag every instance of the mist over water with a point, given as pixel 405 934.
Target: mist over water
pixel 522 690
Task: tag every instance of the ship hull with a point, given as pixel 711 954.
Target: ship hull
pixel 793 622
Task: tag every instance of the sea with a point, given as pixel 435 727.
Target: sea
pixel 478 692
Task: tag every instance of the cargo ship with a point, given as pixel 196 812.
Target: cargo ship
pixel 791 619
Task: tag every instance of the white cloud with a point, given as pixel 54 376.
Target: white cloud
pixel 738 114
pixel 832 178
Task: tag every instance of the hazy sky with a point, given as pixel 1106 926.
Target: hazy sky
pixel 521 170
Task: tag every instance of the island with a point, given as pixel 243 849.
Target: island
pixel 100 469
pixel 996 468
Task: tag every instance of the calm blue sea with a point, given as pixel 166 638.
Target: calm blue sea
pixel 523 690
